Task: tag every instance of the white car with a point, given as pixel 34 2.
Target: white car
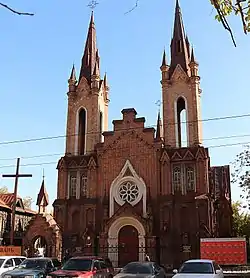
pixel 199 268
pixel 9 262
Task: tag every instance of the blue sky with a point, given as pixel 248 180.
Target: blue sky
pixel 37 54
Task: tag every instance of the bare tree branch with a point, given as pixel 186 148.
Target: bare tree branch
pixel 135 6
pixel 14 11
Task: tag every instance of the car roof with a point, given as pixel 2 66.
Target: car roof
pixel 199 261
pixel 87 258
pixel 10 257
pixel 40 258
pixel 142 263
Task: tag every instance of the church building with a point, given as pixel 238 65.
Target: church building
pixel 134 190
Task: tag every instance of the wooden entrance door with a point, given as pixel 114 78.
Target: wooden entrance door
pixel 128 243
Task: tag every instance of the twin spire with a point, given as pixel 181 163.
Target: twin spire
pixel 180 46
pixel 90 65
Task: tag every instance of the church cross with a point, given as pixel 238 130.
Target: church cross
pixel 17 175
pixel 92 4
pixel 158 103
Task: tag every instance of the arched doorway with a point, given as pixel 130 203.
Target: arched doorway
pixel 40 247
pixel 128 244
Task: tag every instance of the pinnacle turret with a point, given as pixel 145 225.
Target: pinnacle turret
pixel 159 130
pixel 42 198
pixel 164 59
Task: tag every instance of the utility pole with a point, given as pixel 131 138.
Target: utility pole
pixel 16 176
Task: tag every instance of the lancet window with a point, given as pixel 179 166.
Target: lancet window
pixel 72 184
pixel 190 178
pixel 177 184
pixel 84 186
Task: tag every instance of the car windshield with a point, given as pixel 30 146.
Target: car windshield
pixel 1 262
pixel 137 268
pixel 196 267
pixel 32 264
pixel 78 264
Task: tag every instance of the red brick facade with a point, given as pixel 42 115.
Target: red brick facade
pixel 132 191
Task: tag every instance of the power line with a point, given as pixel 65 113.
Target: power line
pixel 55 162
pixel 57 154
pixel 122 129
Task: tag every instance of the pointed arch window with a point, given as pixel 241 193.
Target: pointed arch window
pixel 82 118
pixel 190 178
pixel 177 185
pixel 84 186
pixel 101 125
pixel 72 184
pixel 182 131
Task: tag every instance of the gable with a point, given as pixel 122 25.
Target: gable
pixel 19 203
pixel 179 75
pixel 122 143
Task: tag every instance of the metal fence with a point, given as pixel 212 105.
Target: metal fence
pixel 119 255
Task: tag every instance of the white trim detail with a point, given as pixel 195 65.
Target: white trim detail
pixel 77 129
pixel 113 235
pixel 120 179
pixel 176 120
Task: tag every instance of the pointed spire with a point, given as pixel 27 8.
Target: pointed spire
pixel 159 128
pixel 193 65
pixel 192 56
pixel 73 74
pixel 179 49
pixel 164 59
pixel 105 80
pixel 89 57
pixel 42 198
pixel 188 46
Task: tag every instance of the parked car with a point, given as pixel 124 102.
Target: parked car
pixel 9 262
pixel 85 267
pixel 141 269
pixel 33 267
pixel 199 268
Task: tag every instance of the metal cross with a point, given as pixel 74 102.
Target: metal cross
pixel 92 4
pixel 158 103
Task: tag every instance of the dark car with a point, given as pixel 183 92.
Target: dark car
pixel 141 269
pixel 85 267
pixel 34 267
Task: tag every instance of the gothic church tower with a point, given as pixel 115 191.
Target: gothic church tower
pixel 87 101
pixel 181 90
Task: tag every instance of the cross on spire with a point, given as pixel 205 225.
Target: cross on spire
pixel 92 4
pixel 158 103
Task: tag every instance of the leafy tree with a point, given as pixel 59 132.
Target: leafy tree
pixel 241 173
pixel 240 8
pixel 241 220
pixel 27 201
pixel 4 190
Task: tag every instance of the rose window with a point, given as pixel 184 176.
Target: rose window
pixel 128 192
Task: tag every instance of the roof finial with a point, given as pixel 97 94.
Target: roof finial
pixel 43 174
